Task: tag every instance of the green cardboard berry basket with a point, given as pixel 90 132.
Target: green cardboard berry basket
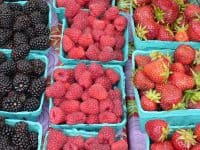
pixel 29 115
pixel 94 127
pixel 173 117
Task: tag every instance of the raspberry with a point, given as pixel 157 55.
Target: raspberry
pixel 57 101
pixel 111 13
pixel 56 90
pixel 96 33
pixel 106 135
pixel 110 30
pixel 120 23
pixel 99 147
pixel 119 41
pixel 70 146
pixel 56 115
pixel 119 145
pixel 107 40
pixel 105 82
pixel 77 140
pixel 60 75
pixel 114 94
pixel 82 2
pixel 79 69
pixel 85 79
pixel 73 34
pixel 87 30
pixel 70 106
pixel 97 91
pixel 76 53
pixel 80 20
pixel 106 105
pixel 107 54
pixel 107 117
pixel 90 20
pixel 96 70
pixel 75 118
pixel 90 141
pixel 85 40
pixel 113 76
pixel 92 119
pixel 90 106
pixel 85 96
pixel 118 110
pixel 118 55
pixel 60 3
pixel 74 92
pixel 67 43
pixel 72 8
pixel 92 52
pixel 70 75
pixel 98 24
pixel 106 3
pixel 97 9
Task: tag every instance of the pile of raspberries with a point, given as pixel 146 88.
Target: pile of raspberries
pixel 105 140
pixel 85 94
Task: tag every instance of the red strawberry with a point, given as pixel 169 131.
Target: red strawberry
pixel 184 54
pixel 106 135
pixel 188 70
pixel 56 90
pixel 194 30
pixel 119 145
pixel 90 106
pixel 197 132
pixel 72 8
pixel 107 54
pixel 165 34
pixel 196 68
pixel 141 2
pixel 194 105
pixel 142 60
pixel 142 82
pixel 195 147
pixel 111 13
pixel 79 69
pixel 97 9
pixel 76 53
pixel 177 67
pixel 85 40
pixel 80 20
pixel 93 52
pixel 70 106
pixel 105 82
pixel 191 11
pixel 77 140
pixel 107 117
pixel 75 118
pixel 120 23
pixel 183 139
pixel 96 70
pixel 67 43
pixel 107 40
pixel 96 33
pixel 166 145
pixel 110 30
pixel 182 81
pixel 106 105
pixel 92 119
pixel 75 91
pixel 181 33
pixel 112 75
pixel 70 146
pixel 85 79
pixel 97 91
pixel 157 130
pixel 56 115
pixel 157 70
pixel 73 34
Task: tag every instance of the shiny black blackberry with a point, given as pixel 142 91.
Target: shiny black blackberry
pixel 30 6
pixel 33 140
pixel 37 18
pixel 38 67
pixel 43 6
pixel 9 44
pixel 2 57
pixel 21 127
pixel 15 6
pixel 21 23
pixel 11 148
pixel 21 140
pixel 5 35
pixel 31 104
pixel 7 131
pixel 3 142
pixel 8 67
pixel 16 14
pixel 21 82
pixel 2 122
pixel 5 16
pixel 41 42
pixel 30 32
pixel 24 66
pixel 20 38
pixel 20 96
pixel 37 87
pixel 5 85
pixel 42 29
pixel 20 52
pixel 11 104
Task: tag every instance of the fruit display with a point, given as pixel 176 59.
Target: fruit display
pixel 85 95
pixel 105 140
pixel 168 82
pixel 167 20
pixel 21 83
pixel 163 136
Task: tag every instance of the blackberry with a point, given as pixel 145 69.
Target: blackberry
pixel 21 140
pixel 43 6
pixel 1 1
pixel 16 14
pixel 24 66
pixel 5 84
pixel 21 82
pixel 33 140
pixel 30 32
pixel 11 104
pixel 42 29
pixel 2 57
pixel 9 45
pixel 21 23
pixel 11 148
pixel 20 96
pixel 20 38
pixel 37 18
pixel 21 127
pixel 5 16
pixel 3 142
pixel 7 131
pixel 2 122
pixel 31 104
pixel 41 42
pixel 15 6
pixel 38 67
pixel 8 67
pixel 37 87
pixel 5 35
pixel 30 6
pixel 20 52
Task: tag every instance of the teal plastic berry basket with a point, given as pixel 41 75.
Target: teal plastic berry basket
pixel 157 44
pixel 28 115
pixel 94 127
pixel 73 132
pixel 173 117
pixel 32 126
pixel 43 51
pixel 67 60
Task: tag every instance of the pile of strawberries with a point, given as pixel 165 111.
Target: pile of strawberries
pixel 181 139
pixel 105 140
pixel 85 94
pixel 167 20
pixel 165 84
pixel 96 34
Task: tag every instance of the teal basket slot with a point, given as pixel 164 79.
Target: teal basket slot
pixel 29 115
pixel 44 51
pixel 153 44
pixel 173 117
pixel 66 60
pixel 89 127
pixel 32 126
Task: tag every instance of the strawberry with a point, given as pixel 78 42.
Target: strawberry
pixel 183 139
pixel 75 118
pixel 92 119
pixel 107 40
pixel 105 82
pixel 195 147
pixel 97 9
pixel 119 145
pixel 182 81
pixel 157 70
pixel 111 13
pixel 197 132
pixel 166 145
pixel 194 30
pixel 96 34
pixel 191 11
pixel 106 135
pixel 96 70
pixel 112 75
pixel 181 33
pixel 106 105
pixel 73 34
pixel 196 68
pixel 68 44
pixel 142 60
pixel 165 34
pixel 97 91
pixel 139 3
pixel 85 40
pixel 90 106
pixel 72 8
pixel 157 130
pixel 70 146
pixel 77 140
pixel 194 105
pixel 98 24
pixel 74 92
pixel 120 23
pixel 150 100
pixel 85 79
pixel 107 54
pixel 70 106
pixel 56 115
pixel 79 69
pixel 184 54
pixel 142 82
pixel 107 117
pixel 177 67
pixel 76 53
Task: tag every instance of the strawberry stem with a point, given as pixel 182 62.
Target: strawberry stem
pixel 153 95
pixel 141 32
pixel 159 14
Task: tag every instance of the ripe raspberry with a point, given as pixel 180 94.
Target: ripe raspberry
pixel 56 90
pixel 73 34
pixel 70 106
pixel 57 101
pixel 92 52
pixel 98 24
pixel 111 13
pixel 74 92
pixel 85 79
pixel 70 146
pixel 56 115
pixel 118 110
pixel 110 30
pixel 118 55
pixel 85 96
pixel 80 20
pixel 67 43
pixel 106 3
pixel 119 41
pixel 82 2
pixel 75 118
pixel 107 54
pixel 96 70
pixel 107 40
pixel 105 82
pixel 107 117
pixel 119 145
pixel 112 75
pixel 60 75
pixel 97 9
pixel 87 30
pixel 77 140
pixel 97 91
pixel 114 94
pixel 106 135
pixel 76 53
pixel 90 141
pixel 90 106
pixel 96 33
pixel 90 20
pixel 85 40
pixel 60 3
pixel 106 105
pixel 79 69
pixel 92 119
pixel 120 23
pixel 72 8
pixel 70 75
pixel 99 147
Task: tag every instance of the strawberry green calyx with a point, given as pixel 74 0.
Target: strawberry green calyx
pixel 165 132
pixel 179 106
pixel 124 5
pixel 197 58
pixel 156 55
pixel 153 95
pixel 159 14
pixel 192 95
pixel 166 73
pixel 181 28
pixel 196 77
pixel 141 32
pixel 181 5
